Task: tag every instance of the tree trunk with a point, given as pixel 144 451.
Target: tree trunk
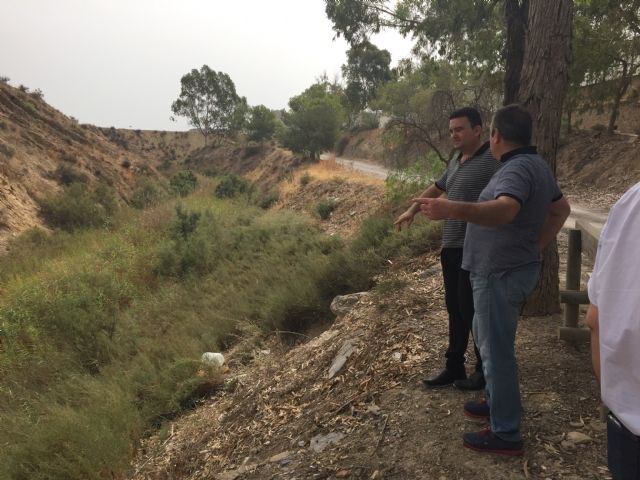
pixel 515 14
pixel 543 85
pixel 623 85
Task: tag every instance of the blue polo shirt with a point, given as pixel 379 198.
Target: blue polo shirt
pixel 496 250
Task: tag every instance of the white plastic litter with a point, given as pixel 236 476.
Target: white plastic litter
pixel 213 358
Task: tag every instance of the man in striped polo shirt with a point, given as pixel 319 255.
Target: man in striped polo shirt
pixel 467 173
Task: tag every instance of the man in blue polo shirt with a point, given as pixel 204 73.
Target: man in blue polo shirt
pixel 519 212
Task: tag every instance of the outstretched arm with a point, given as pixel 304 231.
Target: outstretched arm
pixel 431 192
pixel 493 212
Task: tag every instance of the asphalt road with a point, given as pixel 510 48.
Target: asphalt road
pixel 578 212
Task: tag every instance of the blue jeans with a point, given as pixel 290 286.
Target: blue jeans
pixel 623 451
pixel 498 300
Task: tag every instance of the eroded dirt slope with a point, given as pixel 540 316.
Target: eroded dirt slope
pixel 42 149
pixel 282 416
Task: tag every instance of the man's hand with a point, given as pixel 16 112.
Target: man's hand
pixel 434 208
pixel 405 217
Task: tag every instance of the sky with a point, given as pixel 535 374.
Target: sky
pixel 119 62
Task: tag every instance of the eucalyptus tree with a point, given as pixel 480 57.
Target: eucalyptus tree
pixel 209 101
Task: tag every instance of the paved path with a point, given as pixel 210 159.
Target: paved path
pixel 363 166
pixel 578 212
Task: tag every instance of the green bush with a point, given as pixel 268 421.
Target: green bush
pixel 231 186
pixel 402 185
pixel 342 144
pixel 146 195
pixel 183 183
pixel 268 199
pixel 101 331
pixel 77 207
pixel 325 207
pixel 305 179
pixel 191 246
pixel 67 175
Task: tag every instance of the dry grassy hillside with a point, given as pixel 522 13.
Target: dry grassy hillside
pixel 41 149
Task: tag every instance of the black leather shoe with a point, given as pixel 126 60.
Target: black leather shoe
pixel 474 382
pixel 445 377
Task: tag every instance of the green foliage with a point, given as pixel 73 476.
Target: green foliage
pixel 231 186
pixel 77 207
pixel 146 195
pixel 268 199
pixel 366 69
pixel 67 175
pixel 325 207
pixel 606 57
pixel 468 32
pixel 405 184
pixel 261 124
pixel 209 101
pixel 101 330
pixel 313 122
pixel 421 101
pixel 305 179
pixel 366 121
pixel 183 183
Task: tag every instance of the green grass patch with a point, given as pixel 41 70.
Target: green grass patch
pixel 102 329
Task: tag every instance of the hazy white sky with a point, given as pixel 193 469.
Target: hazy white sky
pixel 119 62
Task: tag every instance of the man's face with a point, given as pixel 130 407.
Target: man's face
pixel 463 137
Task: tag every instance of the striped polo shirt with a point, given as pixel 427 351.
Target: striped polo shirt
pixel 464 182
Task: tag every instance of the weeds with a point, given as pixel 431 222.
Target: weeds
pixel 101 330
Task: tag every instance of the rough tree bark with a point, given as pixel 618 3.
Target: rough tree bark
pixel 515 14
pixel 543 85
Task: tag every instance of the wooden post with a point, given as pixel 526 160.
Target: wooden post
pixel 574 267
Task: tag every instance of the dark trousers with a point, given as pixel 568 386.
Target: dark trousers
pixel 458 296
pixel 623 451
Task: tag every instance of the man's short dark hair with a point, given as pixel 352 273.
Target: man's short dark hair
pixel 514 124
pixel 470 113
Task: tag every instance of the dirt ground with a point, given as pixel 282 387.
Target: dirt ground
pixel 280 416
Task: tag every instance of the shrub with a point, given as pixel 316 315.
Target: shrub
pixel 305 179
pixel 367 121
pixel 402 185
pixel 67 175
pixel 146 196
pixel 183 183
pixel 37 94
pixel 76 207
pixel 4 79
pixel 325 207
pixel 125 164
pixel 267 200
pixel 342 144
pixel 191 247
pixel 231 186
pixel 251 148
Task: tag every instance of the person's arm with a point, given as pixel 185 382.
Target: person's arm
pixel 490 213
pixel 593 322
pixel 431 192
pixel 558 213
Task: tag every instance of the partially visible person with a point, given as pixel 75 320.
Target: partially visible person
pixel 467 173
pixel 519 212
pixel 614 319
